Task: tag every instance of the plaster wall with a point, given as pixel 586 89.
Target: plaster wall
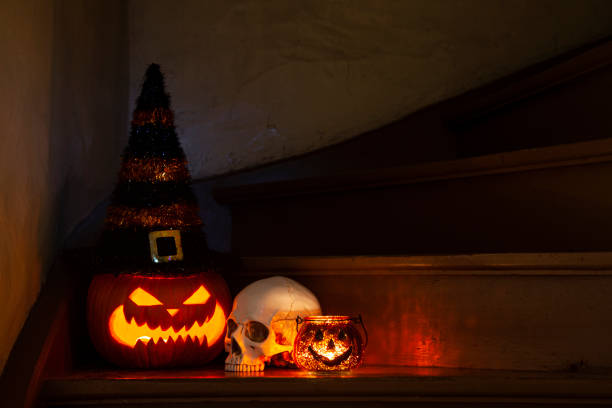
pixel 62 125
pixel 254 82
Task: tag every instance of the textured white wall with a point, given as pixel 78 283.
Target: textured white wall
pixel 255 81
pixel 63 115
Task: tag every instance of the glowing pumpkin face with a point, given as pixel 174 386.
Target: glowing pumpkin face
pixel 327 343
pixel 144 321
pixel 323 348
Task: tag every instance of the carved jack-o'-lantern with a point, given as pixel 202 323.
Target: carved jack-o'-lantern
pixel 326 343
pixel 158 321
pixel 151 304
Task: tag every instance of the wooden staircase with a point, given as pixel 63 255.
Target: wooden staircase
pixel 517 312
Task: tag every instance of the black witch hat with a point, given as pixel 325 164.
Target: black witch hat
pixel 153 220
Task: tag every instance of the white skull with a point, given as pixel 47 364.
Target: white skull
pixel 262 323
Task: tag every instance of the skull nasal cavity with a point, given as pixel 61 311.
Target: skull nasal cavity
pixel 331 345
pixel 172 311
pixel 236 348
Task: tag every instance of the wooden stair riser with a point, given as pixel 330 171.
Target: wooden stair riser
pixel 531 317
pixel 554 209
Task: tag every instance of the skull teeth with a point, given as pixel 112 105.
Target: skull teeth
pixel 244 367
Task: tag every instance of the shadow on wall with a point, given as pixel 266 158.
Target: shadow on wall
pixel 65 88
pixel 88 116
pixel 254 82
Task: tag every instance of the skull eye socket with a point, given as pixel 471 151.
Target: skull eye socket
pixel 143 298
pixel 319 335
pixel 342 335
pixel 256 331
pixel 231 327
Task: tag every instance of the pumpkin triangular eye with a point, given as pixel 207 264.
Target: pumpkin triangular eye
pixel 143 298
pixel 199 297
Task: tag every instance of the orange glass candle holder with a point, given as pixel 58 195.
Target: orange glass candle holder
pixel 329 343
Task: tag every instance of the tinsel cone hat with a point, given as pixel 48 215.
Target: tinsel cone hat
pixel 153 193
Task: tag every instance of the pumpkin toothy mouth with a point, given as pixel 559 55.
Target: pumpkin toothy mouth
pixel 130 333
pixel 330 361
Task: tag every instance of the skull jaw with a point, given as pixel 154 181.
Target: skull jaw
pixel 238 362
pixel 256 363
pixel 244 368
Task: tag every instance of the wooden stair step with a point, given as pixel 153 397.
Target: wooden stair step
pixel 366 386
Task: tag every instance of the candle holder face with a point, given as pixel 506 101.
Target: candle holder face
pixel 328 343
